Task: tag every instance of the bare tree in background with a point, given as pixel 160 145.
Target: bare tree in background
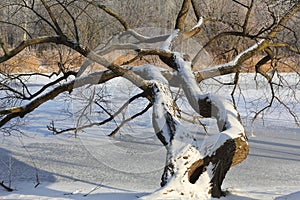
pixel 236 34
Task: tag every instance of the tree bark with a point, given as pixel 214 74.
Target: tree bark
pixel 217 153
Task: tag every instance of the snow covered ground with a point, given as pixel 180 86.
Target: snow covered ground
pixel 93 166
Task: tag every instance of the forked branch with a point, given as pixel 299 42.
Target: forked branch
pixel 56 131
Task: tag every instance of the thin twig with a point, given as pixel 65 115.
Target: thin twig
pixel 113 133
pixel 34 165
pixel 56 131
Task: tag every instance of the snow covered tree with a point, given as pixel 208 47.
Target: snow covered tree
pixel 192 170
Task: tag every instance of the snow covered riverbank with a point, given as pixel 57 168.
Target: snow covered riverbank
pixel 93 166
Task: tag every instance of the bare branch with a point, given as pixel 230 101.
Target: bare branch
pixel 285 45
pixel 218 36
pixel 247 17
pixel 5 87
pixel 142 53
pixel 281 24
pixel 53 18
pixel 292 113
pixel 41 40
pixel 94 78
pixel 244 5
pixel 273 32
pixel 113 133
pixel 263 61
pixel 73 20
pixel 135 79
pixel 4 47
pixel 182 15
pixel 109 49
pixel 271 100
pixel 56 131
pixel 5 187
pixel 18 26
pixel 196 9
pixel 111 13
pixel 194 120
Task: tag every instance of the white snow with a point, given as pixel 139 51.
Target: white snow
pixel 150 71
pixel 136 34
pixel 130 166
pixel 293 196
pixel 253 47
pixel 166 45
pixel 226 111
pixel 187 75
pixel 185 71
pixel 163 104
pixel 199 23
pixel 179 187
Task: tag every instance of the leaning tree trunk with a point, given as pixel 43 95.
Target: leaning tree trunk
pixel 191 171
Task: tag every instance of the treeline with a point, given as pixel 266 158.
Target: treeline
pixel 21 19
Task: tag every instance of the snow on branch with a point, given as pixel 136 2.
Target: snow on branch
pixel 198 170
pixel 195 29
pixel 221 109
pixel 232 66
pixel 163 112
pixel 135 34
pixel 150 72
pixel 142 38
pixel 166 46
pixel 199 24
pixel 237 60
pixel 21 111
pixel 168 128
